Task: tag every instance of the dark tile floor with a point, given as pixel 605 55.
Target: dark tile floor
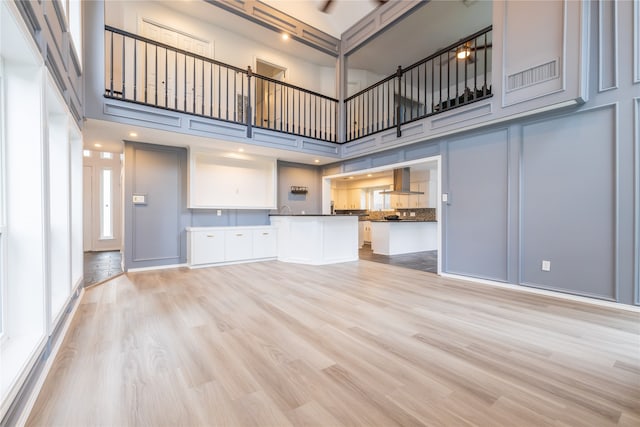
pixel 424 261
pixel 99 266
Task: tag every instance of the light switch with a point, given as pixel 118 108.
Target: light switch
pixel 139 199
pixel 546 265
pixel 445 197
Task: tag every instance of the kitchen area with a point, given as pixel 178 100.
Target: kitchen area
pixel 397 212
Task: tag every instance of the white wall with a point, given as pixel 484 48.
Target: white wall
pixel 227 47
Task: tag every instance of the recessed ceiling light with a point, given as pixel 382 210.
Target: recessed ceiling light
pixel 97 145
pixel 285 36
pixel 369 174
pixel 241 150
pixel 316 161
pixel 350 177
pixel 133 134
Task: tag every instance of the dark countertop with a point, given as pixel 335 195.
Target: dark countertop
pixel 306 214
pixel 402 220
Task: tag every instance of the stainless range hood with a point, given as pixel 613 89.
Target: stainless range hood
pixel 401 182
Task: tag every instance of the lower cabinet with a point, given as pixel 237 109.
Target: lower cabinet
pixel 205 247
pixel 218 245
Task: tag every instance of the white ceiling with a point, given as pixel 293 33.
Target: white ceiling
pixel 110 137
pixel 428 29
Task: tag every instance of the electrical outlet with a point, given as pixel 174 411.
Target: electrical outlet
pixel 546 265
pixel 219 212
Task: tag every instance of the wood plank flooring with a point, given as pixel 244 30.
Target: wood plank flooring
pixel 354 344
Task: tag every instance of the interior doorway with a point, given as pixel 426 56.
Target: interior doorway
pixel 375 195
pixel 102 194
pixel 269 95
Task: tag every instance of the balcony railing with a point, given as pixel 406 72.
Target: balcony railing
pixel 147 72
pixel 454 76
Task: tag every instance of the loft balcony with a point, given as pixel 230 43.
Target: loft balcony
pixel 146 72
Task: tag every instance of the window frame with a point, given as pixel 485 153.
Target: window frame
pixel 3 226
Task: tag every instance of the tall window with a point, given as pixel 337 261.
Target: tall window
pixel 106 213
pixel 3 310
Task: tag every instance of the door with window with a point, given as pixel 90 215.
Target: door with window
pixel 102 201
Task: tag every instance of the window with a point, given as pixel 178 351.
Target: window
pixel 3 311
pixel 106 155
pixel 74 14
pixel 86 153
pixel 377 200
pixel 106 216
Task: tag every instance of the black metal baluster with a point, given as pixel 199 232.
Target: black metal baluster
pixel 398 121
pixel 135 69
pixel 475 68
pixel 484 86
pixel 124 69
pixel 111 66
pixel 248 107
pixel 457 81
pixel 433 84
pixel 146 71
pixel 219 92
pixel 155 64
pixel 202 89
pixel 211 89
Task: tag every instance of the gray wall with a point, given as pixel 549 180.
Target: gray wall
pixel 155 232
pixel 300 175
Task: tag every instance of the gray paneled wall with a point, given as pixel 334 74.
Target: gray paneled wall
pixel 477 208
pixel 155 231
pixel 303 176
pixel 568 204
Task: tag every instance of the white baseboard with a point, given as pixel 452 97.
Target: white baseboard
pixel 158 267
pixel 555 294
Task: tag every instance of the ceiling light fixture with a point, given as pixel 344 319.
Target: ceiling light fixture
pixel 241 150
pixel 97 145
pixel 285 36
pixel 463 52
pixel 133 134
pixel 316 161
pixel 369 175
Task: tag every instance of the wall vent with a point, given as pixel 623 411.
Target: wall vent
pixel 532 76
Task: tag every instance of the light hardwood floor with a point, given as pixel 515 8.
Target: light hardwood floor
pixel 358 344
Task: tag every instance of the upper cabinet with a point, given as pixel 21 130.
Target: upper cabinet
pixel 220 180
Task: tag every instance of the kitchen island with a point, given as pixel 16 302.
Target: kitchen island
pixel 403 237
pixel 316 239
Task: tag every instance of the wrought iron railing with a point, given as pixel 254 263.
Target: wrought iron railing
pixel 452 77
pixel 147 72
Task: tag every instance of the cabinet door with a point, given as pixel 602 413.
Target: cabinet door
pixel 367 231
pixel 264 243
pixel 238 245
pixel 354 198
pixel 206 247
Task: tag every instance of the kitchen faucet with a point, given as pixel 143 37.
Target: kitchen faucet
pixel 285 207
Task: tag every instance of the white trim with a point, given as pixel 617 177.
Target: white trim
pixel 158 267
pixel 636 41
pixel 31 400
pixel 601 26
pixel 554 294
pixel 219 264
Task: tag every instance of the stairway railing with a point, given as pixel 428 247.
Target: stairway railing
pixel 147 72
pixel 452 77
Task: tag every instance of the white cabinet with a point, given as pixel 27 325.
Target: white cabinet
pixel 238 245
pixel 219 245
pixel 419 200
pixel 364 232
pixel 265 244
pixel 354 198
pixel 205 247
pixel 240 182
pixel 367 231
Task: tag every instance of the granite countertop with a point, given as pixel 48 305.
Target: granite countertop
pixel 403 220
pixel 306 214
